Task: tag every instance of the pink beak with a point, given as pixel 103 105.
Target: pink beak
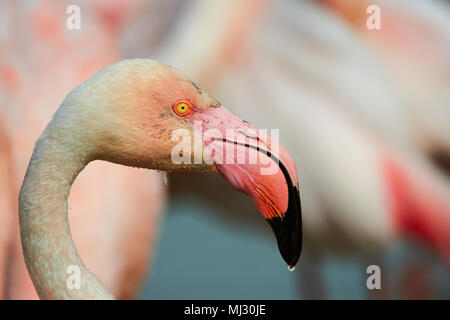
pixel 259 166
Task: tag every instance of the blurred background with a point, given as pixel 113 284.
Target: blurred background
pixel 360 91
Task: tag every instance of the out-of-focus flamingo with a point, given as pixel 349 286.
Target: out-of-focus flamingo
pixel 6 208
pixel 41 60
pixel 413 42
pixel 366 180
pixel 126 114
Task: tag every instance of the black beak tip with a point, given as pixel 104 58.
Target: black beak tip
pixel 288 230
pixel 289 240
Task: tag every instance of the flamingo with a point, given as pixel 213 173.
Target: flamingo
pixel 125 114
pixel 228 59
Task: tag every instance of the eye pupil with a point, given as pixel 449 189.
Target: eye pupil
pixel 183 107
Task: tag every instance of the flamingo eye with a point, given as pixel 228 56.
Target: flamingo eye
pixel 182 107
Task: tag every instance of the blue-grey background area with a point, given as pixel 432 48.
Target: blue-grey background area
pixel 211 250
pixel 199 257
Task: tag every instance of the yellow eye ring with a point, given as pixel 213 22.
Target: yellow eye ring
pixel 182 107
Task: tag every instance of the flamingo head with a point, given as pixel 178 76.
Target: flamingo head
pixel 146 114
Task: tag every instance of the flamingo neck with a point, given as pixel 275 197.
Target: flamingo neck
pixel 53 262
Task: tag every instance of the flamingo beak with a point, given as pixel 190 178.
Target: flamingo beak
pixel 259 166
